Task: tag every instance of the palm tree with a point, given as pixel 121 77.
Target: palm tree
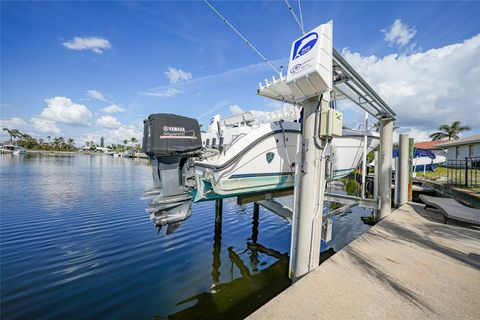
pixel 10 132
pixel 134 140
pixel 449 131
pixel 71 143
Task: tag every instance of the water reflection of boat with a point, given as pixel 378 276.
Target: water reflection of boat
pixel 239 297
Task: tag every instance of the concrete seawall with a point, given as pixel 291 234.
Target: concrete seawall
pixel 410 265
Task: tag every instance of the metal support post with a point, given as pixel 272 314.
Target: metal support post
pixel 385 183
pixel 255 222
pixel 396 185
pixel 403 169
pixel 218 210
pixel 376 174
pixel 376 179
pixel 466 172
pixel 364 159
pixel 411 142
pixel 217 244
pixel 309 195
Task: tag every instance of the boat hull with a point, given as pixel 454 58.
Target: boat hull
pixel 266 162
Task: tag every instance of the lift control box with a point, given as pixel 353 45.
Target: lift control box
pixel 331 122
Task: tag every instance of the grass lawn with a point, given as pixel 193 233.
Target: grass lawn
pixel 438 173
pixel 459 174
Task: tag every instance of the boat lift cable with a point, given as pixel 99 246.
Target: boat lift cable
pixel 300 24
pixel 300 12
pixel 242 37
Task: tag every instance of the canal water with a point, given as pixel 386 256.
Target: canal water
pixel 76 242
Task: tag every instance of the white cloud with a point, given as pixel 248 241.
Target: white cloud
pixel 126 132
pixel 167 93
pixel 108 122
pixel 417 134
pixel 429 88
pixel 45 126
pixel 176 75
pixel 399 33
pixel 88 138
pixel 34 127
pixel 113 109
pixel 228 75
pixel 235 109
pixel 96 44
pixel 62 109
pixel 12 123
pixel 219 105
pixel 94 94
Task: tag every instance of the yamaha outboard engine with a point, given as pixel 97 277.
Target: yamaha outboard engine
pixel 170 141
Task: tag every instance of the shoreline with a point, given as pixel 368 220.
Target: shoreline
pixel 77 152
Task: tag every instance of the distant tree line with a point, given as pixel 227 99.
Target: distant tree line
pixel 28 142
pixel 128 144
pixel 62 144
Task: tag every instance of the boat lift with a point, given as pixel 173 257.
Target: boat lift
pixel 317 74
pixel 313 81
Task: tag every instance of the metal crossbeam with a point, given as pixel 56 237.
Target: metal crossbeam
pixel 343 208
pixel 350 84
pixel 277 208
pixel 347 84
pixel 344 199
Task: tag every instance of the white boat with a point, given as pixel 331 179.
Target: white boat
pixel 423 160
pixel 263 158
pixel 12 149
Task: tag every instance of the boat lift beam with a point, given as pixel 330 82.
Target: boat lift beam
pixel 276 207
pixel 261 197
pixel 347 200
pixel 351 85
pixel 347 84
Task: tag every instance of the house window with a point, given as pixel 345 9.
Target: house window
pixel 208 142
pixel 470 151
pixel 457 152
pixel 214 142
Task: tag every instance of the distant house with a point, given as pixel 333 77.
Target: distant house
pixel 462 148
pixel 96 149
pixel 103 149
pixel 429 145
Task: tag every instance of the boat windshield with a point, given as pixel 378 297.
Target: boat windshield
pixel 234 140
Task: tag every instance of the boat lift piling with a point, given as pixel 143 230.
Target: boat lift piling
pixel 218 210
pixel 396 185
pixel 309 196
pixel 364 158
pixel 403 170
pixel 385 174
pixel 411 143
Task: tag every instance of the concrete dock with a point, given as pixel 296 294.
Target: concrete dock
pixel 408 266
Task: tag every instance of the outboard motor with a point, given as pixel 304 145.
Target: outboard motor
pixel 170 141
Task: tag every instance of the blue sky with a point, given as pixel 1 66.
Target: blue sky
pixel 179 57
